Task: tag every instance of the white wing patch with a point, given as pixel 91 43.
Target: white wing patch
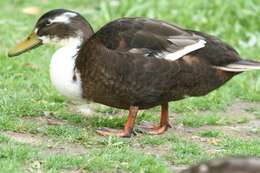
pixel 176 47
pixel 63 18
pixel 184 51
pixel 237 67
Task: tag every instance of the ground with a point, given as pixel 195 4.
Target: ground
pixel 39 132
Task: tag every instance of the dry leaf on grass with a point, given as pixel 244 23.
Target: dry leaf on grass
pixel 213 141
pixel 31 66
pixel 32 10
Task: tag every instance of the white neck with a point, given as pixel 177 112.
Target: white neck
pixel 64 75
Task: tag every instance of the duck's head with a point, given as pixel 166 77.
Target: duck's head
pixel 57 26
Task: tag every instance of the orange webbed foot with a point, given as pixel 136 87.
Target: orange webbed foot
pixel 148 128
pixel 114 132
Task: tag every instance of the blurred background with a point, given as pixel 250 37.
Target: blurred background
pixel 234 21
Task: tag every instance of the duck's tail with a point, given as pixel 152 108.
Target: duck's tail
pixel 241 66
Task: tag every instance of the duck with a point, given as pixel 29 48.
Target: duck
pixel 132 63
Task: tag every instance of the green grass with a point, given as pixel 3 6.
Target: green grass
pixel 199 119
pixel 210 133
pixel 26 91
pixel 14 155
pixel 195 120
pixel 237 146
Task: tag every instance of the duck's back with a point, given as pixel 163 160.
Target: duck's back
pixel 145 62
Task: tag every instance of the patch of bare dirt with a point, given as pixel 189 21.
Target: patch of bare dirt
pixel 47 145
pixel 65 148
pixel 157 150
pixel 27 138
pixel 240 109
pixel 43 120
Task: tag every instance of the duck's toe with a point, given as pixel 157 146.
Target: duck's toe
pixel 114 132
pixel 149 128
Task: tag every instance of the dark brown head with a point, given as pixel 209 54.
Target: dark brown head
pixel 57 26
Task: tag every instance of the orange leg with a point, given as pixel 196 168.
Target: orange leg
pixel 164 123
pixel 128 129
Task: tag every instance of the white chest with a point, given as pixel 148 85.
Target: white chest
pixel 62 71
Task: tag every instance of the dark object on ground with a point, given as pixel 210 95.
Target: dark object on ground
pixel 227 165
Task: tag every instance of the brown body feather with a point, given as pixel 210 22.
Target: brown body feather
pixel 116 77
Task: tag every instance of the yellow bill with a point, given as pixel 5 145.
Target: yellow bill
pixel 31 42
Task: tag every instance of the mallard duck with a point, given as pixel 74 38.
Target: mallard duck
pixel 132 63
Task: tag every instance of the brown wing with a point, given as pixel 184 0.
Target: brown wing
pixel 159 39
pixel 152 38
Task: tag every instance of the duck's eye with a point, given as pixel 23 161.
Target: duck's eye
pixel 47 23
